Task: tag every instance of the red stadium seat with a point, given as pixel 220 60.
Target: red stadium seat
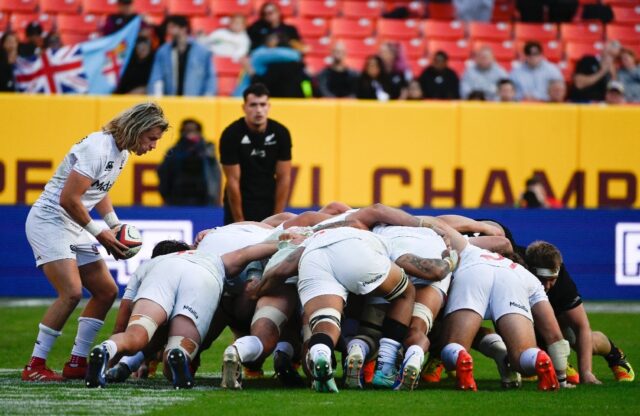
pixel 458 66
pixel 413 48
pixel 357 9
pixel 310 27
pixel 506 64
pixel 551 49
pixel 4 22
pixel 355 62
pixel 567 68
pixel 503 12
pixel 624 33
pixel 490 31
pixel 231 7
pixel 59 6
pixel 287 7
pixel 503 51
pixel 352 28
pixel 318 47
pixel 627 3
pixel 226 84
pixel 458 50
pixel 78 23
pixel 360 47
pixel 315 64
pixel 438 29
pixel 70 38
pixel 398 29
pixel 626 15
pixel 535 31
pixel 416 8
pixel 440 11
pixel 18 6
pixel 188 7
pixel 154 19
pixel 101 7
pixel 150 7
pixel 318 8
pixel 581 32
pixel 227 66
pixel 206 25
pixel 577 50
pixel 418 65
pixel 19 22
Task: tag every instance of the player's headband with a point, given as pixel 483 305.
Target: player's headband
pixel 546 273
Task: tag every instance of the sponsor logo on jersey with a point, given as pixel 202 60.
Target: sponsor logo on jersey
pixel 109 166
pixel 372 281
pixel 628 253
pixel 519 306
pixel 190 309
pixel 102 186
pixel 259 153
pixel 269 140
pixel 245 140
pixel 73 248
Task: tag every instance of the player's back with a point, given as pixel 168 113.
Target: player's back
pixel 222 240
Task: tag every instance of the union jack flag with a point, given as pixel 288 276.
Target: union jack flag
pixel 59 71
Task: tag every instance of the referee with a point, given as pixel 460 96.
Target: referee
pixel 255 152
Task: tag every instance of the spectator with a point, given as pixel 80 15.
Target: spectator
pixel 115 22
pixel 190 174
pixel 531 78
pixel 615 93
pixel 533 11
pixel 373 83
pixel 53 41
pixel 395 65
pixel 534 195
pixel 476 96
pixel 337 80
pixel 136 75
pixel 483 75
pixel 232 42
pixel 8 57
pixel 182 66
pixel 414 91
pixel 473 10
pixel 438 80
pixel 506 91
pixel 270 21
pixel 35 41
pixel 557 91
pixel 629 75
pixel 591 75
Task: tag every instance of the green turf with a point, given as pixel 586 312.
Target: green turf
pixel 264 397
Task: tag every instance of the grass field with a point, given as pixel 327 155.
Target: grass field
pixel 264 397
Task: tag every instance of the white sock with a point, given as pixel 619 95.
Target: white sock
pixel 88 328
pixel 44 342
pixel 249 348
pixel 360 343
pixel 388 355
pixel 284 347
pixel 111 347
pixel 528 361
pixel 494 347
pixel 318 349
pixel 449 355
pixel 133 361
pixel 414 356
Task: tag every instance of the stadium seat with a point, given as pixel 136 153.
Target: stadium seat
pixel 413 48
pixel 4 22
pixel 188 7
pixel 352 28
pixel 440 11
pixel 318 8
pixel 490 31
pixel 154 19
pixel 502 51
pixel 567 68
pixel 78 23
pixel 355 62
pixel 70 38
pixel 230 7
pixel 360 47
pixel 206 24
pixel 101 7
pixel 535 31
pixel 310 27
pixel 551 49
pixel 576 50
pixel 418 65
pixel 287 7
pixel 227 66
pixel 623 33
pixel 315 64
pixel 226 85
pixel 398 28
pixel 59 6
pixel 19 22
pixel 503 11
pixel 318 46
pixel 581 32
pixel 458 50
pixel 458 66
pixel 150 7
pixel 626 15
pixel 438 29
pixel 506 64
pixel 18 6
pixel 357 9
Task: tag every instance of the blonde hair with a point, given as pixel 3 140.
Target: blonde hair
pixel 127 127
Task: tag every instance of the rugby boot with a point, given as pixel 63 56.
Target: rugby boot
pixel 285 371
pixel 322 374
pixel 619 365
pixel 353 368
pixel 368 371
pixel 510 379
pixel 118 373
pixel 464 372
pixel 573 377
pixel 180 371
pixel 98 360
pixel 231 369
pixel 547 379
pixel 40 374
pixel 432 372
pixel 76 368
pixel 382 380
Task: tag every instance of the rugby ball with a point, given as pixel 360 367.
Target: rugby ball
pixel 130 237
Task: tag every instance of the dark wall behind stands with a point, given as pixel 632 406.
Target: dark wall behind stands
pixel 601 248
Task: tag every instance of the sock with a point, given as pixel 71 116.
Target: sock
pixel 388 355
pixel 44 343
pixel 449 355
pixel 614 356
pixel 133 361
pixel 318 349
pixel 111 347
pixel 249 348
pixel 88 328
pixel 528 361
pixel 363 346
pixel 494 347
pixel 284 347
pixel 414 356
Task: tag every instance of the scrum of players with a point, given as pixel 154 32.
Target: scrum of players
pixel 384 288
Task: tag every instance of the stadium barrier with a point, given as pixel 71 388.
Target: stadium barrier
pixel 601 248
pixel 426 154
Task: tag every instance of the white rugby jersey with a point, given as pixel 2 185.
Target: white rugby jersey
pixel 97 157
pixel 420 241
pixel 212 263
pixel 222 240
pixel 330 236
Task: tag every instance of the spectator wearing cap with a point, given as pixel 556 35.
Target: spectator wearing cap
pixel 181 65
pixel 629 75
pixel 117 21
pixel 557 91
pixel 531 78
pixel 615 93
pixel 591 75
pixel 506 91
pixel 35 41
pixel 438 81
pixel 483 75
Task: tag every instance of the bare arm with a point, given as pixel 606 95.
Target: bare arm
pixel 577 320
pixel 276 275
pixel 283 182
pixel 382 214
pixel 124 313
pixel 583 81
pixel 235 261
pixel 451 236
pixel 468 225
pixel 232 173
pixel 427 269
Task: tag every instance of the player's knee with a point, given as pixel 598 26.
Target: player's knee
pixel 187 345
pixel 326 316
pixel 72 296
pixel 145 322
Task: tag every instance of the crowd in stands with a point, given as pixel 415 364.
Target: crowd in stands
pixel 493 50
